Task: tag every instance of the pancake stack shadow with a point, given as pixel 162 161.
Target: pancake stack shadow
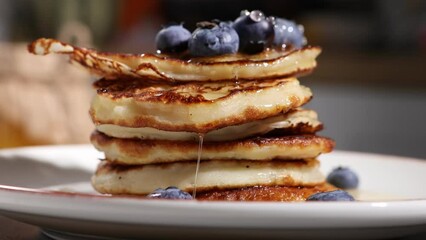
pixel 151 112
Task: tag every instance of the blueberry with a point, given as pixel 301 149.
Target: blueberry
pixel 256 32
pixel 172 39
pixel 170 193
pixel 287 33
pixel 211 39
pixel 343 177
pixel 337 195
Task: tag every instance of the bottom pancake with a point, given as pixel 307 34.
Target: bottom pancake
pixel 265 193
pixel 142 179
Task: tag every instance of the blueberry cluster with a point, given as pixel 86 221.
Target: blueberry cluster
pixel 250 33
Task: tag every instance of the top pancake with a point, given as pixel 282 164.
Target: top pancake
pixel 266 65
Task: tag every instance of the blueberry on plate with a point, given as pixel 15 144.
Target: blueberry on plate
pixel 256 32
pixel 343 177
pixel 172 39
pixel 287 33
pixel 212 39
pixel 169 193
pixel 337 195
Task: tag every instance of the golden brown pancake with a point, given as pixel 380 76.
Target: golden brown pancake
pixel 190 107
pixel 142 179
pixel 137 151
pixel 265 193
pixel 265 65
pixel 296 121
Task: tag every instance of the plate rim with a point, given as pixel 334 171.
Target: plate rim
pixel 341 211
pixel 122 202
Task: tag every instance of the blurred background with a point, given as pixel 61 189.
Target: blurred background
pixel 369 88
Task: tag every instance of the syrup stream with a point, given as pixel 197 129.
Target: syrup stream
pixel 200 149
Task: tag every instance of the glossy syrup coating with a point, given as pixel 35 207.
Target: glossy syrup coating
pixel 287 33
pixel 255 31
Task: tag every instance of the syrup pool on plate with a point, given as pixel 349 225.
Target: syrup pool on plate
pixel 371 196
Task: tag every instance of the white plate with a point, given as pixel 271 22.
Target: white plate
pixel 392 193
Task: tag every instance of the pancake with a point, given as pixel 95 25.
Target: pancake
pixel 265 193
pixel 298 121
pixel 151 110
pixel 142 179
pixel 136 151
pixel 266 65
pixel 188 107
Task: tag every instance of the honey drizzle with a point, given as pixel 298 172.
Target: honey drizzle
pixel 200 149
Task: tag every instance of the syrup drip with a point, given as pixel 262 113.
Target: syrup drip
pixel 200 149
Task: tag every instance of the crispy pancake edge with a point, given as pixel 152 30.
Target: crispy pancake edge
pixel 118 65
pixel 264 193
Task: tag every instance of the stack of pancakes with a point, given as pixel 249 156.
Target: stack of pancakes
pixel 238 116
